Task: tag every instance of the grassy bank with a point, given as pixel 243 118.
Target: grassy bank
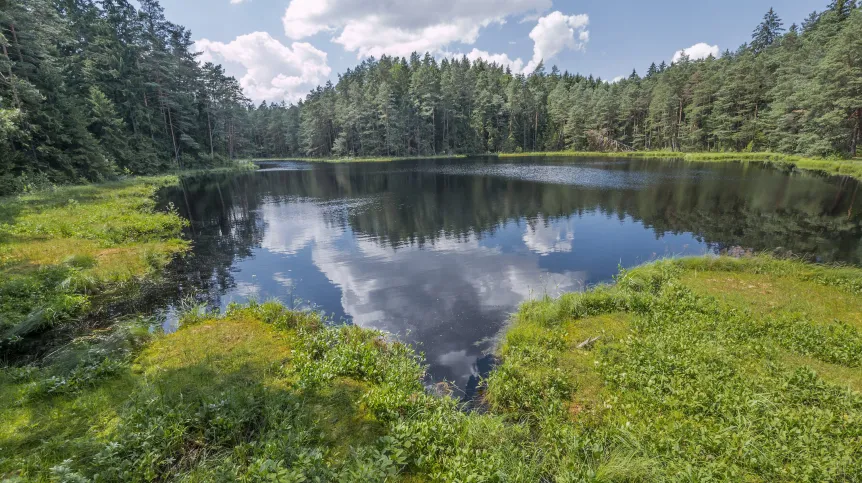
pixel 260 393
pixel 63 250
pixel 68 251
pixel 696 369
pixel 844 167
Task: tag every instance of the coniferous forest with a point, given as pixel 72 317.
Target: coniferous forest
pixel 91 89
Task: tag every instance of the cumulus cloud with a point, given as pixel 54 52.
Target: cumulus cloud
pixel 552 34
pixel 697 51
pixel 517 65
pixel 555 32
pixel 617 79
pixel 266 68
pixel 376 27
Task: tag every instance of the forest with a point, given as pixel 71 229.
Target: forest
pixel 89 90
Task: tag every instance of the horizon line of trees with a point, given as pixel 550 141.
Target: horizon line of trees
pixel 91 89
pixel 795 90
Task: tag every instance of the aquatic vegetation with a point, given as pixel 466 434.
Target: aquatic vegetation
pixel 691 369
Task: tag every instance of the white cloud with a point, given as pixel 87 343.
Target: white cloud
pixel 272 71
pixel 555 32
pixel 617 79
pixel 237 2
pixel 697 51
pixel 400 27
pixel 517 65
pixel 306 227
pixel 552 33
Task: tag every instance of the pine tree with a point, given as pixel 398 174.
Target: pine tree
pixel 767 32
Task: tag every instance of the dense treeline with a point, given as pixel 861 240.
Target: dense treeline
pixel 797 91
pixel 90 89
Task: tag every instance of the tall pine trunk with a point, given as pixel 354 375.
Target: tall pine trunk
pixel 173 138
pixel 857 133
pixel 210 129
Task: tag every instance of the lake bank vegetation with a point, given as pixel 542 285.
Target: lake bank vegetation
pixel 64 253
pixel 707 368
pixel 134 99
pixel 713 368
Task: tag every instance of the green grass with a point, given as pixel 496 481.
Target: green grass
pixel 706 369
pixel 699 369
pixel 844 167
pixel 260 393
pixel 61 248
pixel 69 250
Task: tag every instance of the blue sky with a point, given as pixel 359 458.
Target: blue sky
pixel 280 49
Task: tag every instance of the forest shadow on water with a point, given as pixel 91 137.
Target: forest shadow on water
pixel 440 252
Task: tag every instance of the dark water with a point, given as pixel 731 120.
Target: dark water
pixel 439 253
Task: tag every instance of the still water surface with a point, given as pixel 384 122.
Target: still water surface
pixel 441 252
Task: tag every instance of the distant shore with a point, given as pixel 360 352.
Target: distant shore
pixel 842 167
pixel 360 159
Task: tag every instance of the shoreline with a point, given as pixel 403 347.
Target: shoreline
pixel 840 167
pixel 366 159
pixel 69 251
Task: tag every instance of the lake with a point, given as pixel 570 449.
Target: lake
pixel 440 252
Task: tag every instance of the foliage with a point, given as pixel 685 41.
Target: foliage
pixel 90 91
pixel 795 92
pixel 262 393
pixel 701 372
pixel 132 98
